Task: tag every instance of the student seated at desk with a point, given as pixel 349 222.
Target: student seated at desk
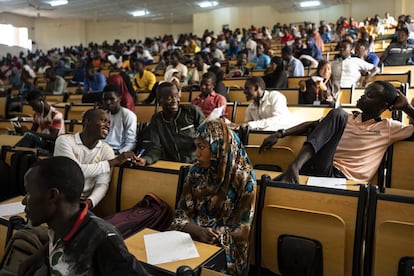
pixel 269 110
pixel 47 119
pixel 172 130
pixel 321 88
pixel 218 197
pixel 123 130
pixel 346 144
pixel 94 156
pixel 208 100
pixel 79 242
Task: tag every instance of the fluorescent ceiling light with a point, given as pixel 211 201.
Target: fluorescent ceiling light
pixel 207 4
pixel 58 3
pixel 308 4
pixel 140 13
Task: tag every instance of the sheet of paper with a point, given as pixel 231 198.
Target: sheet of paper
pixel 169 246
pixel 327 182
pixel 11 209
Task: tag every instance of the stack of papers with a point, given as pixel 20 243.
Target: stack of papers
pixel 11 209
pixel 169 246
pixel 327 182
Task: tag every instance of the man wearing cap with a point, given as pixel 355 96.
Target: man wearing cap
pixel 345 144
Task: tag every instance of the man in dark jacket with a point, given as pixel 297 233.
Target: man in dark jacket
pixel 172 131
pixel 79 242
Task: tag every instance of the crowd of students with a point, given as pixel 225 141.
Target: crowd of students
pixel 217 203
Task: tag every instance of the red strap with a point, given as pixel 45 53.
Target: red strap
pixel 78 222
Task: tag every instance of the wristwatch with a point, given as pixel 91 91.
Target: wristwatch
pixel 282 132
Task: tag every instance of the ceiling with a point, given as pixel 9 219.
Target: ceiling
pixel 161 11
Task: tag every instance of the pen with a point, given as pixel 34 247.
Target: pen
pixel 141 152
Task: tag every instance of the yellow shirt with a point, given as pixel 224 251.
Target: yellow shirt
pixel 145 83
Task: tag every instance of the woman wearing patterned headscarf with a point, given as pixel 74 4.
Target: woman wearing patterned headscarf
pixel 126 98
pixel 218 198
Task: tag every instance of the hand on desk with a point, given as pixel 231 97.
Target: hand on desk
pixel 202 234
pixel 291 175
pixel 122 158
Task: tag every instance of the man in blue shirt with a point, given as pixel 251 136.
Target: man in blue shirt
pixel 261 60
pixel 94 81
pixel 362 51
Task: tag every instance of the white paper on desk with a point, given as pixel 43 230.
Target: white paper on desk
pixel 327 182
pixel 11 209
pixel 169 246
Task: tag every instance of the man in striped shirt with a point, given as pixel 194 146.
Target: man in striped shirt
pixel 47 125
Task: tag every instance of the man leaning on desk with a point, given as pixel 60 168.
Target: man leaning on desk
pixel 345 144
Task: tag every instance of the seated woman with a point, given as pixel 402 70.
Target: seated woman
pixel 321 88
pixel 218 197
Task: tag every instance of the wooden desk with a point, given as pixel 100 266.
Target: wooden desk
pixel 207 252
pixel 161 164
pixel 303 179
pixel 9 140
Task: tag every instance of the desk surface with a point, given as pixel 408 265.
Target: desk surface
pixel 9 140
pixel 136 247
pixel 168 165
pixel 12 200
pixel 303 179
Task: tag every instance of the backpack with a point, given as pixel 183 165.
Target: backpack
pixel 24 243
pixel 20 163
pixel 5 180
pixel 150 212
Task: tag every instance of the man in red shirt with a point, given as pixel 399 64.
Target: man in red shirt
pixel 208 100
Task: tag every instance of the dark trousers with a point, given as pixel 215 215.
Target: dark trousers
pixel 31 140
pixel 324 139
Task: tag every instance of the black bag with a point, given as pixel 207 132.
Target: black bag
pixel 150 212
pixel 406 266
pixel 299 256
pixel 20 163
pixel 4 180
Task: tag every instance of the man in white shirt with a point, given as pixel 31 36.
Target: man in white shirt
pixel 94 156
pixel 144 54
pixel 123 131
pixel 269 110
pixel 251 46
pixel 348 69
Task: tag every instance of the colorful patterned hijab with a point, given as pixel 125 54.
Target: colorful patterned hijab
pixel 221 197
pixel 228 157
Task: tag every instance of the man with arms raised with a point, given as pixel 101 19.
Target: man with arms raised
pixel 79 242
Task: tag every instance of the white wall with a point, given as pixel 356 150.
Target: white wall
pixel 268 15
pixel 48 33
pixel 58 33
